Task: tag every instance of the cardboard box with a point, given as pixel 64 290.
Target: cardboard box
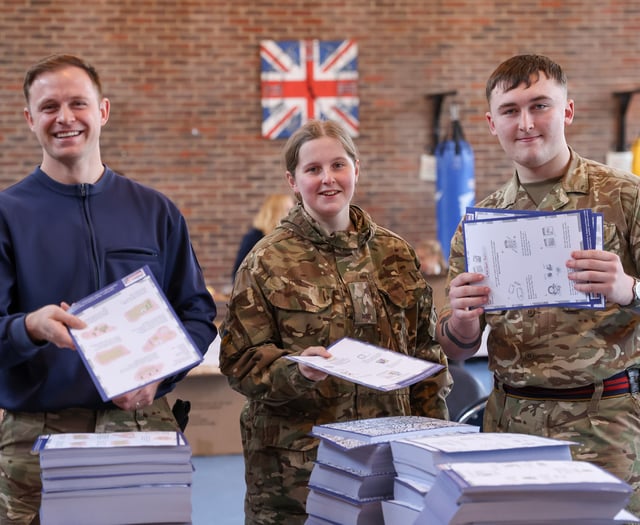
pixel 214 420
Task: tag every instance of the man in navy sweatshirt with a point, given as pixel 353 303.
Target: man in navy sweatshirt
pixel 66 230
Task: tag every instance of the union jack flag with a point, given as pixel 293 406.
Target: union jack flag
pixel 304 79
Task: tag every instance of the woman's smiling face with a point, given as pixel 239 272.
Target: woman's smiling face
pixel 325 179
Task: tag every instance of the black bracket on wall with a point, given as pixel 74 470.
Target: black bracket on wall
pixel 624 99
pixel 438 100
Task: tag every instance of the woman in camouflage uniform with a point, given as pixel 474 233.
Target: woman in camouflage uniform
pixel 327 272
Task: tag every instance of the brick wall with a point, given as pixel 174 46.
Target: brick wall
pixel 183 78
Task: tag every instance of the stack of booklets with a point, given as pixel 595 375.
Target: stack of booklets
pixel 526 492
pixel 354 472
pixel 417 462
pixel 115 478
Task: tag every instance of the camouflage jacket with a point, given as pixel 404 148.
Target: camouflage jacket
pixel 299 287
pixel 568 347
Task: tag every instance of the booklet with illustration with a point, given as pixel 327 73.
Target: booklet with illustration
pixel 523 255
pixel 370 365
pixel 109 448
pixel 388 429
pixel 133 337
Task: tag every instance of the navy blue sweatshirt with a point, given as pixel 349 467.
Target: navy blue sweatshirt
pixel 63 242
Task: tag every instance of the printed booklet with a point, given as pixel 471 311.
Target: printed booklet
pixel 523 255
pixel 111 448
pixel 388 429
pixel 133 337
pixel 505 492
pixel 370 365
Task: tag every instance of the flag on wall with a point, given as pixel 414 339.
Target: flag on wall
pixel 304 79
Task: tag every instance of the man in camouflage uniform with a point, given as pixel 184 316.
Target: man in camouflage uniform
pixel 562 372
pixel 66 230
pixel 301 288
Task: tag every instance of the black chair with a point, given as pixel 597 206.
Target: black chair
pixel 467 390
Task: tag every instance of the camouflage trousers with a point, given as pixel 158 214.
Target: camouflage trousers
pixel 276 479
pixel 20 484
pixel 607 430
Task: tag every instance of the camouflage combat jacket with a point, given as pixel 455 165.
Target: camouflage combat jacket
pixel 568 347
pixel 298 288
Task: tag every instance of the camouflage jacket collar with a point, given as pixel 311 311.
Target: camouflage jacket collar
pixel 575 180
pixel 302 224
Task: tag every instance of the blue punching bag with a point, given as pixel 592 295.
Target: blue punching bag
pixel 455 182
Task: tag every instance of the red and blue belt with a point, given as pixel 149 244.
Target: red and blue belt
pixel 624 382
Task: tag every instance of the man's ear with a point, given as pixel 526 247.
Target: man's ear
pixel 105 108
pixel 569 112
pixel 28 118
pixel 492 127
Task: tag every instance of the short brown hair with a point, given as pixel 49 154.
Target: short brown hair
pixel 314 129
pixel 54 63
pixel 522 69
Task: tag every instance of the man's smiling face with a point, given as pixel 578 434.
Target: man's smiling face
pixel 66 113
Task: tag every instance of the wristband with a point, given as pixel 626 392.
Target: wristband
pixel 459 343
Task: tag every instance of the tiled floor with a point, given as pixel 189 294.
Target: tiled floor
pixel 218 490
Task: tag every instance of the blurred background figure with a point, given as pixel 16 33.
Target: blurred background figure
pixel 432 261
pixel 274 208
pixel 434 267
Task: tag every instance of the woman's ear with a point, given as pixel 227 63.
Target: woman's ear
pixel 292 182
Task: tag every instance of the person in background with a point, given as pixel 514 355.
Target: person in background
pixel 326 272
pixel 66 230
pixel 431 258
pixel 274 208
pixel 434 268
pixel 567 373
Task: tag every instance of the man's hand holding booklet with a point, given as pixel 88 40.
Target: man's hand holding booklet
pixel 133 336
pixel 370 365
pixel 523 255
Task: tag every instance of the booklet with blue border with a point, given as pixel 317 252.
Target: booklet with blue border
pixel 523 255
pixel 370 365
pixel 133 337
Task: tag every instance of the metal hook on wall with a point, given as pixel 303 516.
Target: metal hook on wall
pixel 438 100
pixel 624 99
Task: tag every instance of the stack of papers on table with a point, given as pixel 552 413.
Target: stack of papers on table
pixel 417 461
pixel 526 492
pixel 115 478
pixel 419 458
pixel 354 472
pixel 523 255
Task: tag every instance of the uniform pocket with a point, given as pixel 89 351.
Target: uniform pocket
pixel 403 290
pixel 304 313
pixel 298 296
